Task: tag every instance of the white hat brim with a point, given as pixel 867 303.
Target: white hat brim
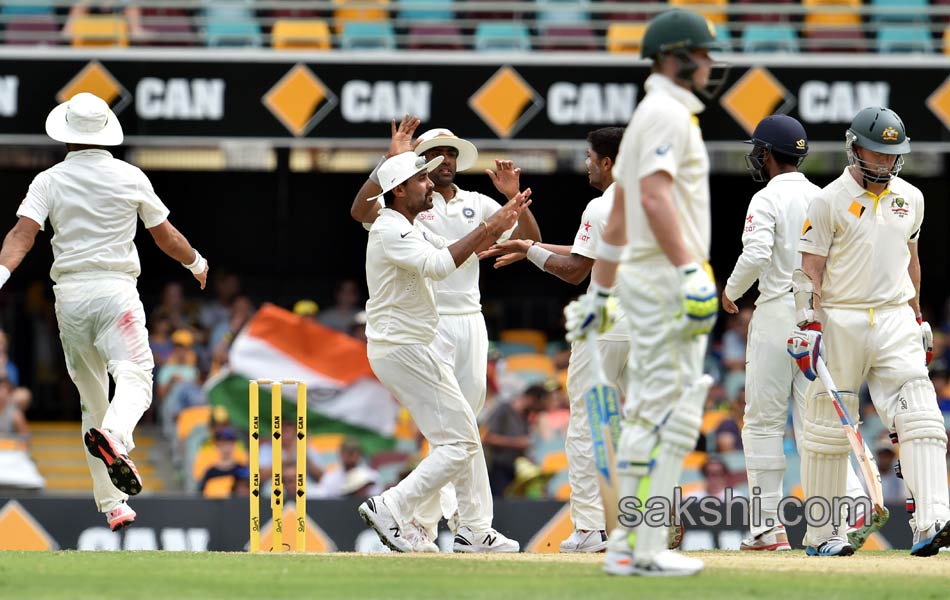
pixel 60 130
pixel 468 154
pixel 428 168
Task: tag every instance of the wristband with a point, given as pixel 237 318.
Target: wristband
pixel 608 252
pixel 374 176
pixel 920 316
pixel 538 255
pixel 198 266
pixel 4 275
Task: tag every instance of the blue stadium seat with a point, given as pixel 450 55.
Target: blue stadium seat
pixel 724 38
pixel 769 38
pixel 906 11
pixel 231 23
pixel 892 39
pixel 502 37
pixel 31 7
pixel 573 12
pixel 371 35
pixel 407 10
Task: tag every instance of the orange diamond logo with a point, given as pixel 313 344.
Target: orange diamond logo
pixel 96 79
pixel 506 102
pixel 300 100
pixel 939 103
pixel 20 531
pixel 755 96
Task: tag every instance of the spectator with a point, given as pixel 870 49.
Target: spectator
pixel 307 309
pixel 160 341
pixel 232 476
pixel 173 307
pixel 509 436
pixel 178 381
pixel 715 480
pixel 353 477
pixel 242 310
pixel 12 420
pixel 288 444
pixel 347 303
pixel 895 492
pixel 215 312
pixel 734 341
pixel 728 437
pixel 131 11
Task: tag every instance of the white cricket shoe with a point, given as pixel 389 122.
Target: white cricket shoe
pixel 418 538
pixel 378 516
pixel 487 541
pixel 120 516
pixel 774 539
pixel 833 546
pixel 585 540
pixel 668 563
pixel 618 559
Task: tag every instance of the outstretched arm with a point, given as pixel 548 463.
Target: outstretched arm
pixel 362 210
pixel 171 241
pixel 572 268
pixel 508 181
pixel 18 242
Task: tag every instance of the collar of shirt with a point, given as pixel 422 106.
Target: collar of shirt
pixel 856 191
pixel 792 176
pixel 397 216
pixel 454 198
pixel 88 152
pixel 662 83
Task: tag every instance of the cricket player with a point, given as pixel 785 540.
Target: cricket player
pixel 573 264
pixel 92 201
pixel 857 304
pixel 453 213
pixel 662 206
pixel 412 360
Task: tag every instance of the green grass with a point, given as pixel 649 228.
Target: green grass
pixel 140 575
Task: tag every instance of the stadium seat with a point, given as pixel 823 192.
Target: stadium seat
pixel 502 37
pixel 435 36
pixel 942 4
pixel 894 39
pixel 723 38
pixel 563 37
pixel 346 12
pixel 99 31
pixel 714 10
pixel 840 39
pixel 946 40
pixel 34 8
pixel 769 38
pixel 535 363
pixel 300 33
pixel 532 337
pixel 509 348
pixel 326 442
pixel 625 37
pixel 763 14
pixel 623 12
pixel 233 32
pixel 491 13
pixel 373 35
pixel 899 11
pixel 190 418
pixel 425 10
pixel 816 17
pixel 562 12
pixel 31 29
pixel 554 462
pixel 166 27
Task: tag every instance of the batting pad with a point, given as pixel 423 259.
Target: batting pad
pixel 825 456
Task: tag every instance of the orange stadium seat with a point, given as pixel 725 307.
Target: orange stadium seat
pixel 346 13
pixel 946 40
pixel 625 37
pixel 554 462
pixel 190 418
pixel 531 337
pixel 714 10
pixel 816 18
pixel 534 363
pixel 301 33
pixel 99 31
pixel 219 487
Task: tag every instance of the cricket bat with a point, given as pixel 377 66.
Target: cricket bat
pixel 603 413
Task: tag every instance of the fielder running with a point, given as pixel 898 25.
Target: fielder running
pixel 92 201
pixel 413 361
pixel 461 324
pixel 573 264
pixel 662 206
pixel 770 255
pixel 857 304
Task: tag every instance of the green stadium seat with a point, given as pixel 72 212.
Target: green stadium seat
pixel 502 37
pixel 769 38
pixel 894 39
pixel 371 35
pixel 425 10
pixel 906 11
pixel 31 7
pixel 562 12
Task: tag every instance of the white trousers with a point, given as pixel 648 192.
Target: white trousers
pixel 587 511
pixel 102 329
pixel 420 379
pixel 466 339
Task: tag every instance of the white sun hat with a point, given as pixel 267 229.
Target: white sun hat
pixel 84 119
pixel 401 167
pixel 435 138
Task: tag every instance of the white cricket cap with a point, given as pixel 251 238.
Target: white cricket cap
pixel 436 138
pixel 84 119
pixel 401 167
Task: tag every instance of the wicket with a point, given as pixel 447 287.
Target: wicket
pixel 277 487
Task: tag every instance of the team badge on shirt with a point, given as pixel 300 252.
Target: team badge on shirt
pixel 468 212
pixel 899 207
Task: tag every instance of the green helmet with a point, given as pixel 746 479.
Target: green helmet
pixel 880 130
pixel 677 30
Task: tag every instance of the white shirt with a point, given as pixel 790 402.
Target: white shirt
pixel 400 261
pixel 772 227
pixel 93 200
pixel 589 234
pixel 664 135
pixel 865 239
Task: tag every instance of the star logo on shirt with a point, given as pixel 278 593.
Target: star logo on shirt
pixel 748 219
pixel 587 226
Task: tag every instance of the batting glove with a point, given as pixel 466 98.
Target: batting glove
pixel 927 337
pixel 700 301
pixel 588 314
pixel 805 347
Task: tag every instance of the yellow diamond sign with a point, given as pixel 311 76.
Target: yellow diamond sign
pixel 20 531
pixel 300 100
pixel 506 102
pixel 317 538
pixel 96 79
pixel 939 103
pixel 755 96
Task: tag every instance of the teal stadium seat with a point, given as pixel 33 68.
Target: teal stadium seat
pixel 26 7
pixel 231 23
pixel 895 39
pixel 510 348
pixel 563 12
pixel 502 37
pixel 769 38
pixel 425 10
pixel 900 11
pixel 370 35
pixel 724 38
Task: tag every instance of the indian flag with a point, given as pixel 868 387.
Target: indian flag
pixel 343 396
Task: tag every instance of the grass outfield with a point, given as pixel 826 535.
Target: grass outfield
pixel 140 575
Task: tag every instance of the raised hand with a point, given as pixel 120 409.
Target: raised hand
pixel 508 252
pixel 402 135
pixel 508 178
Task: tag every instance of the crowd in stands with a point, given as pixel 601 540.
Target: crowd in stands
pixel 522 25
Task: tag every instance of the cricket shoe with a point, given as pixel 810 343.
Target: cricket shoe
pixel 585 540
pixel 667 563
pixel 104 446
pixel 836 546
pixel 774 539
pixel 453 522
pixel 675 539
pixel 864 527
pixel 377 515
pixel 121 516
pixel 929 542
pixel 618 560
pixel 488 541
pixel 418 538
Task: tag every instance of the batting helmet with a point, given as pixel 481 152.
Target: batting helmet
pixel 880 130
pixel 776 134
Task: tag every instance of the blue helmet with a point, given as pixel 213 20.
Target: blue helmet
pixel 777 134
